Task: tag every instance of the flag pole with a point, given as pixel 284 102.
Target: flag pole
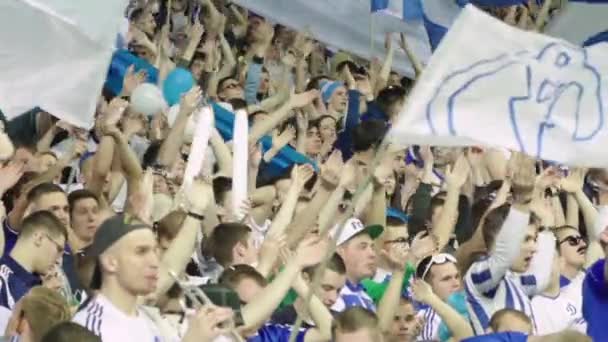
pixel 371 33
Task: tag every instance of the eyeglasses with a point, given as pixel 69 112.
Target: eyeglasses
pixel 57 244
pixel 424 266
pixel 572 240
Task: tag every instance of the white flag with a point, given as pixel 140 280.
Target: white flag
pixel 345 24
pixel 492 84
pixel 55 54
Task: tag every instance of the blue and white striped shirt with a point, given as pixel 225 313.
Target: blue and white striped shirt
pixel 491 286
pixel 432 321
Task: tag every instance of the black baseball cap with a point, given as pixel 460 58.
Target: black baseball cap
pixel 110 231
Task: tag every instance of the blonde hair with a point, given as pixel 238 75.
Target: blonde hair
pixel 44 308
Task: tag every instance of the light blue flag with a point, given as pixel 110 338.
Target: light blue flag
pixel 582 22
pixel 438 16
pixel 403 9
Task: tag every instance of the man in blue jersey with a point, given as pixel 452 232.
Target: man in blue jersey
pixel 37 250
pixel 566 336
pixel 509 276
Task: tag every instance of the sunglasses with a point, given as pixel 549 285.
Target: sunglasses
pixel 572 240
pixel 424 266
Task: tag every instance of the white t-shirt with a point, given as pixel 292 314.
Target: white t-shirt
pixel 102 318
pixel 563 312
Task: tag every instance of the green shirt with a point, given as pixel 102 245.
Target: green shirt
pixel 376 290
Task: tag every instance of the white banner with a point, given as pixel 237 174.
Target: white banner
pixel 345 24
pixel 55 54
pixel 492 84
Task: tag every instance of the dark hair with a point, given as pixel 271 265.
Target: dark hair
pixel 314 82
pixel 69 332
pixel 78 195
pixel 395 221
pixel 389 96
pixel 221 186
pixel 170 225
pixel 253 115
pixel 323 117
pixel 136 14
pixel 233 275
pixel 43 220
pixel 368 134
pixel 354 68
pixel 220 83
pixel 504 313
pixel 151 155
pixel 43 189
pixel 238 104
pixel 407 83
pixel 221 242
pixel 335 264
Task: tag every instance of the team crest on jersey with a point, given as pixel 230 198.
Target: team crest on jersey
pixel 571 309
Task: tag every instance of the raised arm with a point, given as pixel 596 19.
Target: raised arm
pixel 329 179
pixel 485 275
pixel 170 147
pixel 198 196
pixel 319 313
pixel 309 253
pixel 456 323
pixel 295 101
pixel 454 179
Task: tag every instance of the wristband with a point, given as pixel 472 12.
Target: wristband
pixel 196 216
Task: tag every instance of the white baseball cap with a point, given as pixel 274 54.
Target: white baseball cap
pixel 353 227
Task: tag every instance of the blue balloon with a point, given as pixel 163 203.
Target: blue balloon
pixel 178 82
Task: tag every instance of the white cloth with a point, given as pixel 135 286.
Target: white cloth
pixel 56 55
pixel 102 318
pixel 554 107
pixel 563 312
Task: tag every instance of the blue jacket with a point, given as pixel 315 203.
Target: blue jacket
pixel 595 301
pixel 499 337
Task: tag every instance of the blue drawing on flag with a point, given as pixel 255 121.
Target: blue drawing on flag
pixel 556 90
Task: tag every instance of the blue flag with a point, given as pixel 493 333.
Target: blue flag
pixel 581 22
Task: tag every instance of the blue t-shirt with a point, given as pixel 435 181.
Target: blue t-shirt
pixel 276 333
pixel 595 301
pixel 15 280
pixel 499 337
pixel 10 237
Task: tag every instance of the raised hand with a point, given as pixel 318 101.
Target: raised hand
pixel 199 194
pixel 427 156
pixel 456 177
pixel 301 174
pixel 347 176
pixel 311 251
pixel 79 147
pixel 114 111
pixel 284 138
pixel 523 179
pixel 303 99
pixel 11 173
pixel 422 246
pixel 190 100
pixel 209 323
pixel 330 171
pixel 574 182
pixel 422 291
pixel 132 79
